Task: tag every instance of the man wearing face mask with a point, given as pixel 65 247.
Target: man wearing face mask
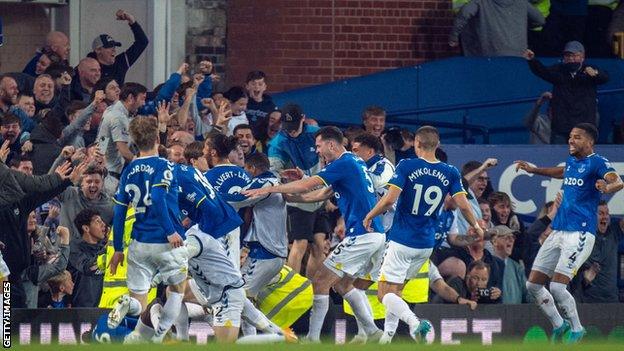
pixel 574 89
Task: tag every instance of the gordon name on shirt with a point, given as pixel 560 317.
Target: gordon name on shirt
pixel 141 168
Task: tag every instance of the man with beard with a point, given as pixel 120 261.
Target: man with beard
pixel 246 139
pixel 8 93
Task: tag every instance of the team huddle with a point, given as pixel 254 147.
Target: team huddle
pixel 391 221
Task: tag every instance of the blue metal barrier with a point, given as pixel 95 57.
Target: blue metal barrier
pixel 486 97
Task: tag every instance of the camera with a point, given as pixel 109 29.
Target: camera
pixel 484 292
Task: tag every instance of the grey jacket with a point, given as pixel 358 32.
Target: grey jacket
pixel 269 217
pixel 36 274
pixel 500 25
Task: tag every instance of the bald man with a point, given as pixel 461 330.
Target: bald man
pixel 8 93
pixel 89 72
pixel 55 41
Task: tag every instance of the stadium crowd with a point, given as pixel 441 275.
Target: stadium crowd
pixel 65 141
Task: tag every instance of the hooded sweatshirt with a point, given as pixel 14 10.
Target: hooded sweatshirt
pixel 500 25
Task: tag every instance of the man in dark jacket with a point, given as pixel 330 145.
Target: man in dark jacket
pixel 574 90
pixel 104 50
pixel 14 219
pixel 88 277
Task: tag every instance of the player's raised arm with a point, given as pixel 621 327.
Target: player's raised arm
pixel 611 183
pixel 553 172
pixel 313 196
pixel 297 187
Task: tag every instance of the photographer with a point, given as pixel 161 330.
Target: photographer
pixel 475 286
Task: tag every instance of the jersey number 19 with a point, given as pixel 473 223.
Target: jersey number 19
pixel 432 197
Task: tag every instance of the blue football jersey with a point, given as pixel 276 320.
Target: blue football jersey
pixel 136 185
pixel 228 180
pixel 354 190
pixel 424 186
pixel 203 205
pixel 103 334
pixel 578 210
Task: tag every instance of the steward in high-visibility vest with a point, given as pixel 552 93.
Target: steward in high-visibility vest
pixel 286 300
pixel 416 290
pixel 115 285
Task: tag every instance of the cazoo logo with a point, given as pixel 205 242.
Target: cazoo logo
pixel 573 181
pixel 528 200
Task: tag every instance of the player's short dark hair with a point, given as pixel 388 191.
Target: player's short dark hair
pixel 478 264
pixel 258 160
pixel 74 106
pixel 223 144
pixel 373 111
pixel 131 89
pixel 429 137
pixel 241 126
pixel 193 151
pixel 255 75
pixel 10 118
pixel 330 133
pixel 370 141
pixel 84 217
pixel 603 203
pixel 481 201
pixel 589 129
pixel 469 167
pixel 144 132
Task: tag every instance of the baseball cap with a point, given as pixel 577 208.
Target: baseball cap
pixel 500 230
pixel 104 41
pixel 292 114
pixel 573 47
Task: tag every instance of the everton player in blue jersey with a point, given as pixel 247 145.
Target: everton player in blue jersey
pixel 228 180
pixel 585 176
pixel 346 178
pixel 215 276
pixel 419 185
pixel 149 185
